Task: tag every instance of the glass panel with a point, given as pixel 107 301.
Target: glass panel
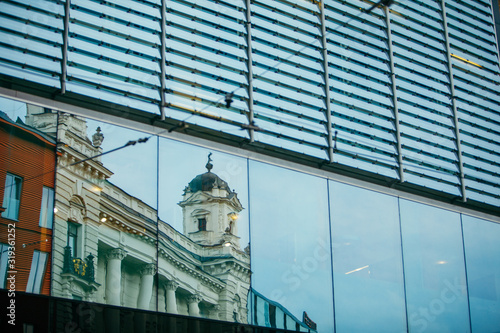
pixel 368 272
pixel 33 271
pixel 12 196
pixel 106 212
pixel 290 250
pixel 47 208
pixel 482 253
pixel 204 262
pixel 434 268
pixel 4 257
pixel 37 272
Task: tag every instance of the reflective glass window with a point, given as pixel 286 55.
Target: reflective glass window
pixel 367 262
pixel 106 199
pixel 290 247
pixel 482 254
pixel 4 257
pixel 37 272
pixel 203 222
pixel 47 208
pixel 435 280
pixel 12 196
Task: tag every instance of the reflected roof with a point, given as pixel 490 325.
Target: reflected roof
pixel 206 182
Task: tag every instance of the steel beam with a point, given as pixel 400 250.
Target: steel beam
pixel 454 104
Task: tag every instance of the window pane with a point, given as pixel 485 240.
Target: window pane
pixel 290 249
pixel 4 257
pixel 73 239
pixel 33 272
pixel 47 209
pixel 434 269
pixel 368 272
pixel 203 216
pixel 40 272
pixel 106 213
pixel 482 252
pixel 12 197
pixel 37 272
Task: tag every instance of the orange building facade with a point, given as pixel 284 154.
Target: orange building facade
pixel 27 165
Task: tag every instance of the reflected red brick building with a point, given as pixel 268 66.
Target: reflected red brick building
pixel 27 195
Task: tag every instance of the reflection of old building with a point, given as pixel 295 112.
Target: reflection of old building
pixel 107 247
pixel 111 247
pixel 27 181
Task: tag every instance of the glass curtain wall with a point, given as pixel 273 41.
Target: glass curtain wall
pixel 145 222
pixel 27 180
pixel 204 262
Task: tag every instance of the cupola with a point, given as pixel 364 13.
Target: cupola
pixel 210 210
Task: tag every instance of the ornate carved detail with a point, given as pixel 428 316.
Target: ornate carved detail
pixel 171 285
pixel 148 269
pixel 117 253
pixel 195 298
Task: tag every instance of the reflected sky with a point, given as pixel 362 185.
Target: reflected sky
pixel 368 273
pixel 13 108
pixel 290 253
pixel 134 167
pixel 482 252
pixel 434 269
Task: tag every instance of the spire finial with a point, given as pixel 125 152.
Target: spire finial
pixel 209 165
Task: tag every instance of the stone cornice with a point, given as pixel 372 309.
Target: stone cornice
pixel 126 226
pixel 87 170
pixel 213 283
pixel 195 199
pixel 229 265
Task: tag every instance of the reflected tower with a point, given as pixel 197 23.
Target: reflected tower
pixel 210 210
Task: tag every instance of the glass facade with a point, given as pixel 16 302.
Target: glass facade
pixel 145 222
pixel 291 165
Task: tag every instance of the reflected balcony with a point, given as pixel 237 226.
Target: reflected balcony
pixel 79 272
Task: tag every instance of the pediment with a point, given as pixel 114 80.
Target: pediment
pixel 205 197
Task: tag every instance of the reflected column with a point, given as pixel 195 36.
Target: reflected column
pixel 114 275
pixel 193 308
pixel 171 287
pixel 146 291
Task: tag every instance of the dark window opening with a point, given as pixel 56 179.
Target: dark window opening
pixel 202 224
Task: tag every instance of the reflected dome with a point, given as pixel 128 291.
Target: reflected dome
pixel 206 182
